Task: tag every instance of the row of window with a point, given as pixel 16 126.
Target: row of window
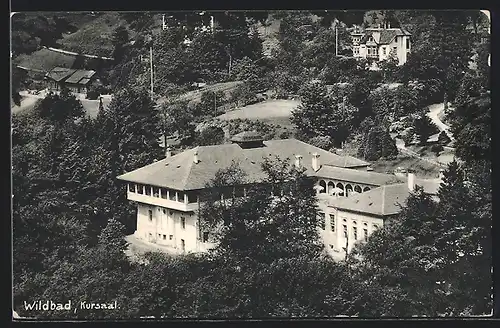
pixel 183 225
pixel 344 226
pixel 339 189
pixel 183 219
pixel 162 192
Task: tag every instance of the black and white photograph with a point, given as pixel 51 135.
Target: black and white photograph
pixel 251 164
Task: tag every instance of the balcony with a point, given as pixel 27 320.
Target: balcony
pixel 162 202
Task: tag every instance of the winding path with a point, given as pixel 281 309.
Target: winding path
pixel 433 114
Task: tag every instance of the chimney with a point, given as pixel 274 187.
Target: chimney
pixel 411 181
pixel 298 161
pixel 315 162
pixel 196 160
pixel 168 152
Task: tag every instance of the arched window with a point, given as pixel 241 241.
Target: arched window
pixel 331 186
pixel 366 189
pixel 348 190
pixel 322 183
pixel 354 222
pixel 341 191
pixel 357 189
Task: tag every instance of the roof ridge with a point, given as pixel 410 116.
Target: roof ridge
pixel 191 162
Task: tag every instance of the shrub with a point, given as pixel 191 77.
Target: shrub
pixel 436 149
pixel 323 142
pixel 443 138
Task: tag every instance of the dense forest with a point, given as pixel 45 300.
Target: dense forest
pixel 70 214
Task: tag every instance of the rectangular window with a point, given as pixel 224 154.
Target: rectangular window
pixel 205 237
pixel 356 50
pixel 407 43
pixel 192 197
pixel 170 237
pixel 150 215
pixel 164 237
pixel 183 223
pixel 140 189
pixel 345 230
pixel 181 197
pixel 395 50
pixel 383 51
pixel 365 232
pixel 156 192
pixel 355 233
pixel 164 193
pixel 131 187
pixel 148 190
pixel 321 219
pixel 332 222
pixel 171 195
pixel 164 211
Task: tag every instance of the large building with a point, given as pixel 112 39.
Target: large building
pixel 167 192
pixel 381 43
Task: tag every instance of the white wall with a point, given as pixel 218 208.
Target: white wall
pixel 336 238
pixel 168 224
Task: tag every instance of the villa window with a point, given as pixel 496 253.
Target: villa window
pixel 375 227
pixel 355 233
pixel 383 51
pixel 321 219
pixel 171 195
pixel 150 215
pixel 356 50
pixel 345 230
pixel 372 51
pixel 170 237
pixel 183 223
pixel 156 192
pixel 395 49
pixel 407 43
pixel 131 187
pixel 148 190
pixel 205 237
pixel 192 197
pixel 365 232
pixel 181 197
pixel 164 193
pixel 140 189
pixel 164 211
pixel 332 222
pixel 164 237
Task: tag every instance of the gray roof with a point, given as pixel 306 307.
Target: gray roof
pixel 80 77
pixel 60 73
pixel 383 36
pixel 181 173
pixel 384 200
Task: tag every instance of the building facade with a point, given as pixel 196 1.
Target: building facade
pixel 76 80
pixel 167 192
pixel 380 44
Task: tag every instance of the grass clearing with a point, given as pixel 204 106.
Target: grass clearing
pixel 422 168
pixel 94 37
pixel 45 60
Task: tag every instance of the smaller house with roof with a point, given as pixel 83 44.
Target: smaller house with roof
pixel 381 43
pixel 77 80
pixel 357 217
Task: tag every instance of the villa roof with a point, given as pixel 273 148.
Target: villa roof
pixel 60 73
pixel 80 77
pixel 181 173
pixel 383 36
pixel 385 200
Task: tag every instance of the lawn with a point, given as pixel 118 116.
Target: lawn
pixel 93 38
pixel 271 111
pixel 446 156
pixel 45 60
pixel 195 95
pixel 422 169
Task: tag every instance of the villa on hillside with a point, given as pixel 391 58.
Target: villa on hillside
pixel 353 200
pixel 380 43
pixel 77 80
